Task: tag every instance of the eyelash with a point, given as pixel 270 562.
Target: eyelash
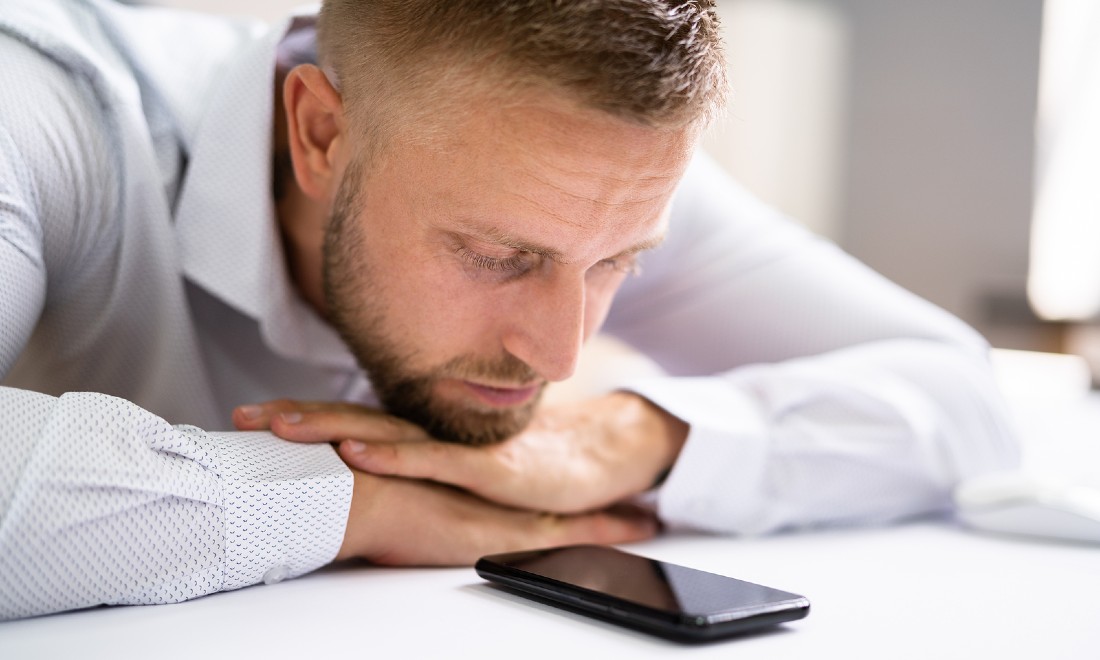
pixel 628 266
pixel 518 262
pixel 493 264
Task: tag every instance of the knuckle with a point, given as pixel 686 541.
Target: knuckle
pixel 390 456
pixel 390 428
pixel 506 457
pixel 506 463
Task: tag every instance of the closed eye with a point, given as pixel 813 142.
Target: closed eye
pixel 519 262
pixel 627 265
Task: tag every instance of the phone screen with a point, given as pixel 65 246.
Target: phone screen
pixel 657 596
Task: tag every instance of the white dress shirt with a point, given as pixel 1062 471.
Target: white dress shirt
pixel 143 295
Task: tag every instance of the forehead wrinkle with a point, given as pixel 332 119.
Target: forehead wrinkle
pixel 534 154
pixel 596 201
pixel 546 209
pixel 641 246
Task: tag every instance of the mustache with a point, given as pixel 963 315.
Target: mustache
pixel 508 369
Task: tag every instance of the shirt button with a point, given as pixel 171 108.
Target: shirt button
pixel 277 574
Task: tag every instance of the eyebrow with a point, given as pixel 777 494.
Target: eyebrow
pixel 495 235
pixel 647 244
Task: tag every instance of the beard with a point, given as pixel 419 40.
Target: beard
pixel 356 311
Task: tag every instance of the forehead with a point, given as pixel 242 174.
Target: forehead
pixel 546 169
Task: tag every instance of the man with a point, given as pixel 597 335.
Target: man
pixel 397 250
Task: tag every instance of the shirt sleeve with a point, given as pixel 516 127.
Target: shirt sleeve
pixel 817 392
pixel 101 501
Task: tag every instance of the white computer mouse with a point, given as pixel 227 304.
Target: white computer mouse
pixel 1031 505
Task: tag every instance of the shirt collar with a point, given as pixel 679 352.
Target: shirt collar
pixel 225 217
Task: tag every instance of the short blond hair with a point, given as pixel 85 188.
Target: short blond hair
pixel 654 62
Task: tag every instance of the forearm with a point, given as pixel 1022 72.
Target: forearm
pixel 108 504
pixel 866 434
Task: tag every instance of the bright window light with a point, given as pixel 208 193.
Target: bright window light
pixel 1064 277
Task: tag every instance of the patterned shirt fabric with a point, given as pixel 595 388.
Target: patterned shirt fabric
pixel 107 497
pixel 144 294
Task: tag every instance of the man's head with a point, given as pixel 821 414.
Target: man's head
pixel 490 171
pixel 653 62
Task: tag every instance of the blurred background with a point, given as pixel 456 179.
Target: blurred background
pixel 949 144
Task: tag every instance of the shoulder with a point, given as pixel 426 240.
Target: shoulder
pixel 55 152
pixel 49 102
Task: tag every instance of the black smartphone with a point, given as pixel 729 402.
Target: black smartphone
pixel 657 597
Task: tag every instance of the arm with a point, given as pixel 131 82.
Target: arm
pixel 816 391
pixel 100 500
pixel 105 503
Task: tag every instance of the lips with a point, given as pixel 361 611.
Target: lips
pixel 502 397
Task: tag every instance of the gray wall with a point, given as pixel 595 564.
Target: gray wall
pixel 939 154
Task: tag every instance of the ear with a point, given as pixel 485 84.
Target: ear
pixel 316 131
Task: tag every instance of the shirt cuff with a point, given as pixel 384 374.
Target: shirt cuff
pixel 715 483
pixel 285 506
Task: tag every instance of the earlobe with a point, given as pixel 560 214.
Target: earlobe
pixel 316 127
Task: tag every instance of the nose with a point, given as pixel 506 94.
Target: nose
pixel 547 326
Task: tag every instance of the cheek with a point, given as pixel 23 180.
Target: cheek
pixel 445 312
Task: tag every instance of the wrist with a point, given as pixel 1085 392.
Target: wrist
pixel 357 532
pixel 664 433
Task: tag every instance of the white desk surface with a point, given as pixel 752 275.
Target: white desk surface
pixel 920 590
pixel 925 589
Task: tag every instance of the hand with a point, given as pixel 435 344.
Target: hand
pixel 570 459
pixel 406 522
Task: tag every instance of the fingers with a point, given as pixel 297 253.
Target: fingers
pixel 457 465
pixel 509 473
pixel 607 527
pixel 259 415
pixel 531 531
pixel 325 422
pixel 491 473
pixel 406 522
pixel 331 424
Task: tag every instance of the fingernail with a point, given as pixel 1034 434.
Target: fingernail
pixel 291 417
pixel 354 446
pixel 250 412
